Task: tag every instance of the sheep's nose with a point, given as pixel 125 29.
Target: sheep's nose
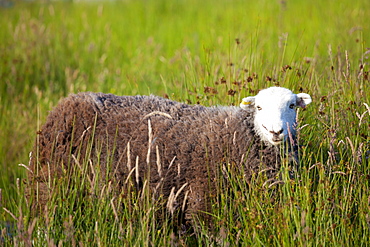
pixel 277 132
pixel 277 135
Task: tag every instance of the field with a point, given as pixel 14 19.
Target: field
pixel 200 52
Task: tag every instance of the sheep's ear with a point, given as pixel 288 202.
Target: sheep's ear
pixel 303 99
pixel 247 103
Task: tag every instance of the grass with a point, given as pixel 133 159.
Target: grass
pixel 207 53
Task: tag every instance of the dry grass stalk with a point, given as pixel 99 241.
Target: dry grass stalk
pixel 367 107
pixel 27 168
pixel 150 138
pixel 157 186
pixel 184 202
pixel 143 190
pixel 10 213
pixel 172 198
pixel 159 166
pixel 291 139
pixel 266 170
pixel 97 234
pixel 157 113
pixel 137 170
pixel 171 163
pixel 93 181
pixel 339 172
pixel 303 126
pixel 275 183
pixel 348 67
pixel 352 148
pixel 361 71
pixel 360 117
pixel 268 181
pixel 83 134
pixel 179 191
pixel 81 169
pixel 129 174
pixel 114 208
pixel 128 157
pixel 2 234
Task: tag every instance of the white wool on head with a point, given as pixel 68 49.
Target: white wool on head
pixel 275 113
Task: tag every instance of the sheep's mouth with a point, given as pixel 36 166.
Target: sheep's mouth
pixel 276 142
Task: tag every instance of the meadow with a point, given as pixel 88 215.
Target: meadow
pixel 198 52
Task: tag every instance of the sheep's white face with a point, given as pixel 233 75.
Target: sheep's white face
pixel 275 113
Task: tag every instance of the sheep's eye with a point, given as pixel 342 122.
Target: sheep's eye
pixel 259 108
pixel 291 106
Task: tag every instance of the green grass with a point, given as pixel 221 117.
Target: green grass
pixel 207 52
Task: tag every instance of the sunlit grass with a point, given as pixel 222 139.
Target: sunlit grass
pixel 197 52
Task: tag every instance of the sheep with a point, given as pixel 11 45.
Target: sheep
pixel 178 148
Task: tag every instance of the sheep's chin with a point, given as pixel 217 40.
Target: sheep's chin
pixel 276 143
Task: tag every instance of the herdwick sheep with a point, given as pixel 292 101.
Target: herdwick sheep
pixel 178 148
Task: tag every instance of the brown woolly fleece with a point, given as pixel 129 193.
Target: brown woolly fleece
pixel 190 142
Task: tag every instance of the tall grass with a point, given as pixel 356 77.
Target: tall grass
pixel 197 52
